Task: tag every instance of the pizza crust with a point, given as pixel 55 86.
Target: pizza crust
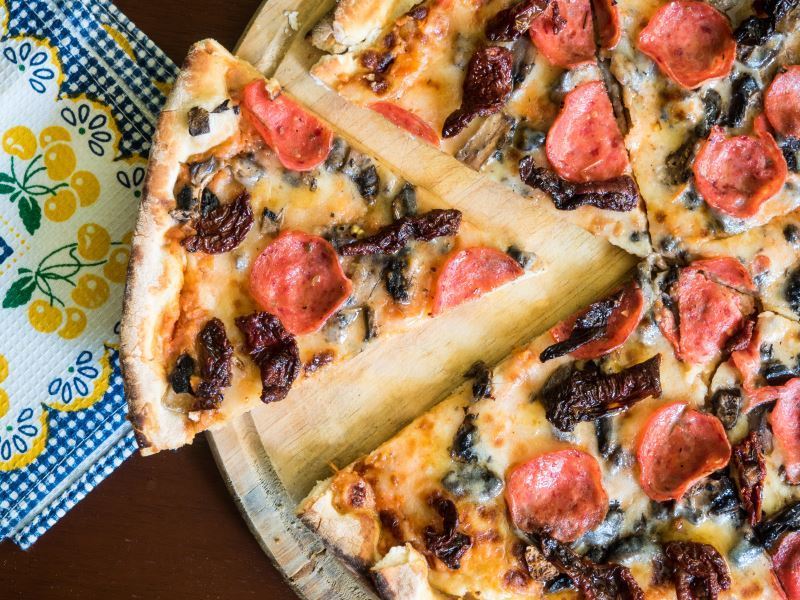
pixel 403 575
pixel 156 268
pixel 353 538
pixel 357 22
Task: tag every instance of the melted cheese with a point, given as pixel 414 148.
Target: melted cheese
pixel 314 202
pixel 426 83
pixel 662 117
pixel 512 427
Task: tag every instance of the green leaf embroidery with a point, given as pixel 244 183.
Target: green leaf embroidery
pixel 15 195
pixel 30 213
pixel 6 188
pixel 7 178
pixel 20 292
pixel 39 190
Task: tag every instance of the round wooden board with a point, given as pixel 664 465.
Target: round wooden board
pixel 311 571
pixel 272 457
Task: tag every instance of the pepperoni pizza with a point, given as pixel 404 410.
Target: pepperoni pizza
pixel 268 247
pixel 497 84
pixel 698 105
pixel 612 457
pixel 711 149
pixel 648 445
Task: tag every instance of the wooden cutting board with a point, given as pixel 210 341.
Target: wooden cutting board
pixel 271 458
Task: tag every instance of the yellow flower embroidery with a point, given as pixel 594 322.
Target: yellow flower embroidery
pixel 46 173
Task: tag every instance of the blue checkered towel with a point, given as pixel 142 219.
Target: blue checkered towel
pixel 80 91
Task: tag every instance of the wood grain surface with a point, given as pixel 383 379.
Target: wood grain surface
pixel 165 526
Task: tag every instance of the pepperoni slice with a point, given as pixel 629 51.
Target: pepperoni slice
pixel 621 324
pixel 737 175
pixel 584 143
pixel 469 273
pixel 786 563
pixel 407 120
pixel 607 16
pixel 563 32
pixel 724 270
pixel 298 279
pixel 677 448
pixel 300 140
pixel 709 313
pixel 690 41
pixel 785 422
pixel 558 493
pixel 782 102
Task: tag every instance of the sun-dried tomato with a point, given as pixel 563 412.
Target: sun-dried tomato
pixel 223 228
pixel 448 545
pixel 741 338
pixel 748 461
pixel 572 395
pixel 619 194
pixel 392 238
pixel 216 356
pixel 487 86
pixel 510 23
pixel 698 570
pixel 592 325
pixel 275 352
pixel 594 581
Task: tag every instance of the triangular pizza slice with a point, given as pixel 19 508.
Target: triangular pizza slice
pixel 268 247
pixel 590 460
pixel 510 88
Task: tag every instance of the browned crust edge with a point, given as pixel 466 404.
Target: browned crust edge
pixel 155 270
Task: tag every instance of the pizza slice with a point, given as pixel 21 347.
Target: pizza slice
pixel 511 88
pixel 711 91
pixel 586 461
pixel 268 247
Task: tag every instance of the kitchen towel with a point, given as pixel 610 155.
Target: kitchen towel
pixel 80 91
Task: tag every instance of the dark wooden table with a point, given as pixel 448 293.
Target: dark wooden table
pixel 163 526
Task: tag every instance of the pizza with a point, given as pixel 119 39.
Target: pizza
pixel 269 247
pixel 626 453
pixel 461 75
pixel 648 446
pixel 706 135
pixel 704 95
